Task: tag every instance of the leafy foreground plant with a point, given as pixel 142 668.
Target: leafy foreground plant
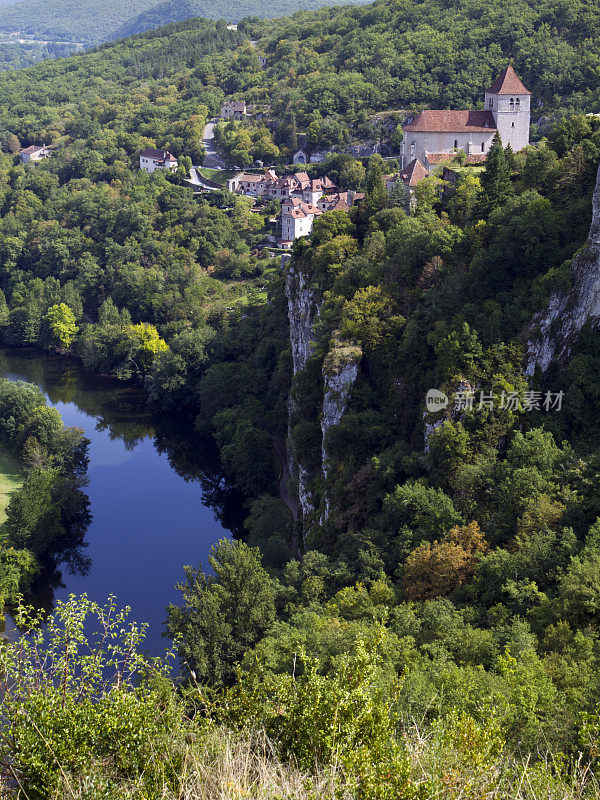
pixel 85 716
pixel 73 701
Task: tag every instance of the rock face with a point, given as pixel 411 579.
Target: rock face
pixel 302 310
pixel 554 330
pixel 340 371
pixel 431 422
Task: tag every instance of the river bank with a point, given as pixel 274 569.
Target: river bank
pixel 156 493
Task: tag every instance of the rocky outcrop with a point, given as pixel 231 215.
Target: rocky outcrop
pixel 450 413
pixel 554 330
pixel 302 310
pixel 340 370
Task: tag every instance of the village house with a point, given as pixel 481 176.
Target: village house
pixel 271 187
pixel 253 185
pixel 340 201
pixel 409 176
pixel 298 216
pixel 152 159
pixel 297 219
pixel 33 153
pixel 234 109
pixel 434 135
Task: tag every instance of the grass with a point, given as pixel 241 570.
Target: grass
pixel 11 478
pixel 220 764
pixel 220 176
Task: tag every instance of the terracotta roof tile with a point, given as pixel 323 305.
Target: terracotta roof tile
pixel 508 82
pixel 414 172
pixel 157 155
pixel 452 121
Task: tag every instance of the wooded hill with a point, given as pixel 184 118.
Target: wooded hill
pixel 94 21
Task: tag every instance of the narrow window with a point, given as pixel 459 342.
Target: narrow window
pixel 518 103
pixel 512 104
pixel 456 144
pixel 513 124
pixel 491 103
pixel 483 147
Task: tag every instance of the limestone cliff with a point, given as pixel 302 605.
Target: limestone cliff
pixel 554 330
pixel 340 370
pixel 302 310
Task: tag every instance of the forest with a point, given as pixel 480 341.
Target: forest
pixel 90 21
pixel 429 627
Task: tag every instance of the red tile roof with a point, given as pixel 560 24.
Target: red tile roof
pixel 414 172
pixel 157 155
pixel 33 148
pixel 452 121
pixel 508 82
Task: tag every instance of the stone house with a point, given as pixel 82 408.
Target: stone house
pixel 35 152
pixel 234 109
pixel 434 134
pixel 297 219
pixel 152 159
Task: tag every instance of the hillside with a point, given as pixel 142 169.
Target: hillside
pixel 69 20
pixel 92 21
pixel 424 621
pixel 230 10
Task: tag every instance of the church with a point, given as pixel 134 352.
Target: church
pixel 432 136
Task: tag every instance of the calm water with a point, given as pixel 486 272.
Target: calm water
pixel 155 494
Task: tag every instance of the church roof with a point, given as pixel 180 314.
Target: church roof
pixel 508 82
pixel 414 172
pixel 452 121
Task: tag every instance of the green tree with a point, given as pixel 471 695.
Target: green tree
pixel 376 196
pixel 224 613
pixel 495 179
pixel 60 326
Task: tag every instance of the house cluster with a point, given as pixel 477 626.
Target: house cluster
pixel 302 199
pixel 152 159
pixel 33 153
pixel 433 136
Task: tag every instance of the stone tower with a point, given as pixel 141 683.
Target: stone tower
pixel 509 102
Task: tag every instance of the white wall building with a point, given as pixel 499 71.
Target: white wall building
pixel 297 219
pixel 234 109
pixel 35 152
pixel 433 134
pixel 152 159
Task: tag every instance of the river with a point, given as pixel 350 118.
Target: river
pixel 156 493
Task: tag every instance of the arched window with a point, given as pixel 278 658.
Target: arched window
pixel 518 103
pixel 513 125
pixel 512 103
pixel 456 144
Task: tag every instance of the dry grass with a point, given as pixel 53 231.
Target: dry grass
pixel 223 765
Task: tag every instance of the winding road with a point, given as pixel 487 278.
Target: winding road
pixel 212 157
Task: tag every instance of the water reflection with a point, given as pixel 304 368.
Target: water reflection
pixel 157 492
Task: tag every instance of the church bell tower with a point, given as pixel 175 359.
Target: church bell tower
pixel 509 101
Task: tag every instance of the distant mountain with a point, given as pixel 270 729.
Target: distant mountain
pixel 87 21
pixel 230 10
pixel 94 21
